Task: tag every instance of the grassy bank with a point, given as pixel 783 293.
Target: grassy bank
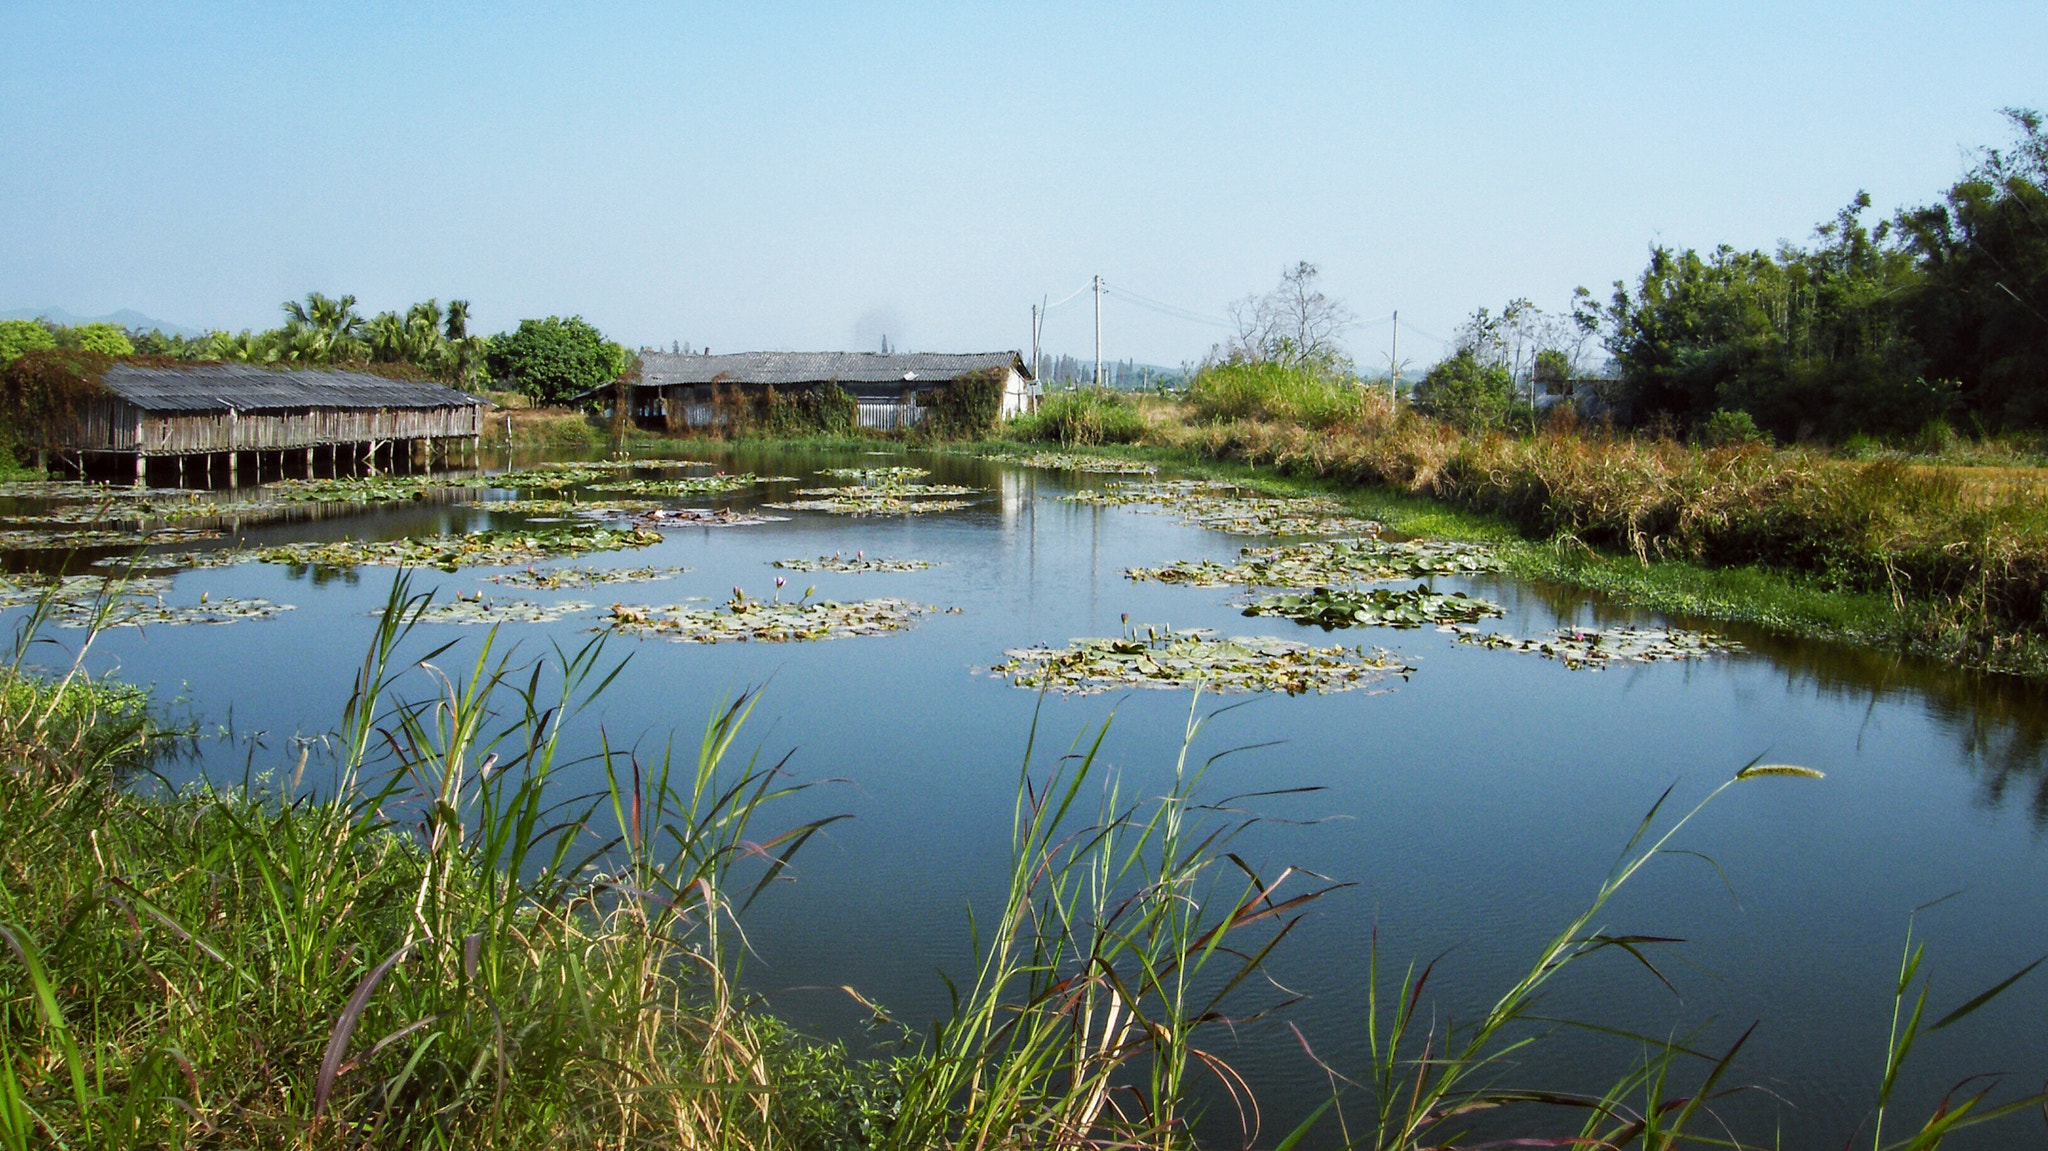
pixel 1943 561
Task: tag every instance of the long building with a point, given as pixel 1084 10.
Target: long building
pixel 680 389
pixel 220 414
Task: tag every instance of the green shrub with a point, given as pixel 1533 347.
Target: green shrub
pixel 1463 391
pixel 1080 418
pixel 1288 393
pixel 1725 428
pixel 19 337
pixel 106 339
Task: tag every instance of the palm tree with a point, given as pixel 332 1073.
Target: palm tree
pixel 334 324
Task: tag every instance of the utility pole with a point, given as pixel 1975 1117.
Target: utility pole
pixel 1394 362
pixel 1035 317
pixel 1098 331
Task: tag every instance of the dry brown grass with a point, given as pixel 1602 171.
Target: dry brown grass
pixel 1962 551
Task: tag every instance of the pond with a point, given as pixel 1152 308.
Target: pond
pixel 1475 793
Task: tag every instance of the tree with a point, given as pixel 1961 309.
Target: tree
pixel 1981 315
pixel 323 330
pixel 19 337
pixel 1467 390
pixel 106 339
pixel 554 360
pixel 1294 324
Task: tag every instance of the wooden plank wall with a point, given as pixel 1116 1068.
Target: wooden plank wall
pixel 121 427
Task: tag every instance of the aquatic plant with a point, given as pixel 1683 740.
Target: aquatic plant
pixel 449 553
pixel 556 579
pixel 140 613
pixel 1160 657
pixel 480 610
pixel 361 489
pixel 704 517
pixel 859 563
pixel 569 505
pixel 878 476
pixel 742 619
pixel 1322 564
pixel 717 484
pixel 1078 462
pixel 37 539
pixel 903 500
pixel 1594 648
pixel 1225 507
pixel 1329 608
pixel 165 561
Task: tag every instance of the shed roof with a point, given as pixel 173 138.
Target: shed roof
pixel 666 369
pixel 250 387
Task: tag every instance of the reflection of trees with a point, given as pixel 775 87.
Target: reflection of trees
pixel 2000 722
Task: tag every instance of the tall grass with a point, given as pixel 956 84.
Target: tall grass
pixel 1289 393
pixel 1965 566
pixel 1083 417
pixel 440 952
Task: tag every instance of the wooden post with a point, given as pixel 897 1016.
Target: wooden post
pixel 309 463
pixel 234 469
pixel 141 470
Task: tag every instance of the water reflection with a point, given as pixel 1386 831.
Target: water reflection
pixel 1999 722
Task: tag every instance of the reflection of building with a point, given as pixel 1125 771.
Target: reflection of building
pixel 682 390
pixel 1592 397
pixel 209 412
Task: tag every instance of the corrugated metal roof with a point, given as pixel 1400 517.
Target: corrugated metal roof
pixel 665 369
pixel 249 388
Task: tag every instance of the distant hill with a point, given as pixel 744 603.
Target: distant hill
pixel 125 318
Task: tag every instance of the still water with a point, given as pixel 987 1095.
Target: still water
pixel 1475 805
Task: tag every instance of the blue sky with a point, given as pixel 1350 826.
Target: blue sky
pixel 808 176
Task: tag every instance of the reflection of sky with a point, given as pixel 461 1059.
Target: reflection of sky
pixel 1478 803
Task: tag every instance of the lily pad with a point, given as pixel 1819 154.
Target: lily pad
pixel 30 539
pixel 878 476
pixel 1165 658
pixel 549 506
pixel 173 561
pixel 225 610
pixel 1226 507
pixel 476 549
pixel 1076 462
pixel 859 563
pixel 710 485
pixel 556 579
pixel 481 610
pixel 64 592
pixel 742 620
pixel 1591 649
pixel 1329 608
pixel 362 489
pixel 705 517
pixel 1326 564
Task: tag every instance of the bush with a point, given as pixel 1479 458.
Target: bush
pixel 811 411
pixel 1463 391
pixel 42 394
pixel 106 339
pixel 1082 418
pixel 19 337
pixel 1288 393
pixel 555 360
pixel 1724 428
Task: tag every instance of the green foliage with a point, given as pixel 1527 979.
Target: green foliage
pixel 19 337
pixel 554 360
pixel 1463 390
pixel 1083 417
pixel 830 409
pixel 1725 427
pixel 1940 312
pixel 965 408
pixel 1302 393
pixel 103 339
